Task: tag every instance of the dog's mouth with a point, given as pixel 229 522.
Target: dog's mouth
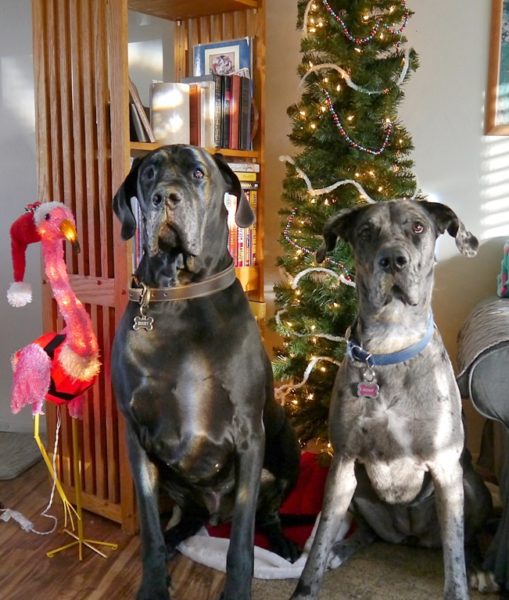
pixel 400 294
pixel 173 240
pixel 170 238
pixel 395 289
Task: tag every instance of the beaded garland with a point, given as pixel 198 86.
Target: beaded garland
pixel 286 235
pixel 360 41
pixel 345 135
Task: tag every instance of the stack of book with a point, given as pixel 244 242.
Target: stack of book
pixel 220 108
pixel 242 241
pixel 221 94
pixel 214 108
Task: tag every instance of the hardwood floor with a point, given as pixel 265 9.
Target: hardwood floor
pixel 380 572
pixel 26 572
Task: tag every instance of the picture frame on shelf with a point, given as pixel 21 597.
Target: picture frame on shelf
pixel 497 96
pixel 223 58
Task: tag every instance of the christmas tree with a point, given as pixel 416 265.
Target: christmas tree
pixel 352 149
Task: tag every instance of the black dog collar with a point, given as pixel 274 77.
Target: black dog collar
pixel 144 295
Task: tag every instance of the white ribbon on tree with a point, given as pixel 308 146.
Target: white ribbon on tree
pixel 284 390
pixel 350 83
pixel 330 188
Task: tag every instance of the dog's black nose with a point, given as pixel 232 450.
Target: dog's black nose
pixel 393 259
pixel 171 198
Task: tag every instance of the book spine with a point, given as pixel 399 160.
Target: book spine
pixel 137 132
pixel 249 167
pixel 240 246
pixel 253 203
pixel 234 112
pixel 247 175
pixel 218 111
pixel 225 138
pixel 194 115
pixel 245 113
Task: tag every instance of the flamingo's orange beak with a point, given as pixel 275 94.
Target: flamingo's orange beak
pixel 69 231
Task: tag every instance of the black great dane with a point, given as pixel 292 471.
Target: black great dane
pixel 190 373
pixel 395 418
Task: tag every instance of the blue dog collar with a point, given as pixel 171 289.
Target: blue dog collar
pixel 358 354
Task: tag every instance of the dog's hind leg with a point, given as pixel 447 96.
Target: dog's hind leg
pixel 281 469
pixel 190 523
pixel 240 556
pixel 362 537
pixel 448 481
pixel 338 494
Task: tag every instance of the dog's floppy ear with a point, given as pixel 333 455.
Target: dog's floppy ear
pixel 122 201
pixel 338 226
pixel 244 215
pixel 447 220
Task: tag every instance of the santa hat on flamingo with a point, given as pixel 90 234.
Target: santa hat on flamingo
pixel 23 232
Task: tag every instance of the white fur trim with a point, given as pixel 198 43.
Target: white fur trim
pixel 79 367
pixel 211 552
pixel 19 294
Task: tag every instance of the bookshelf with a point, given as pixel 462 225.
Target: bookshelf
pixel 83 155
pixel 205 21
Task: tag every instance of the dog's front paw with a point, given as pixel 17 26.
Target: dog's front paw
pixel 152 592
pixel 285 548
pixel 483 581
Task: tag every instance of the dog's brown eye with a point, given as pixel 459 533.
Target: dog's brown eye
pixel 417 227
pixel 198 174
pixel 157 199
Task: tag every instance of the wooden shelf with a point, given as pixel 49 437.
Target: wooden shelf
pixel 186 9
pixel 138 148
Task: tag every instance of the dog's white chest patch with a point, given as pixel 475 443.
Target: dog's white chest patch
pixel 388 454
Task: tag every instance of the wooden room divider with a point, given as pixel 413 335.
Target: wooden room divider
pixel 80 62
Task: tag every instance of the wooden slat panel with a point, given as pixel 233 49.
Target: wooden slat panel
pixel 77 43
pixel 118 78
pixel 90 199
pixel 55 130
pixel 80 191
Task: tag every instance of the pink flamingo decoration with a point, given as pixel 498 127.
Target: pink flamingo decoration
pixel 58 367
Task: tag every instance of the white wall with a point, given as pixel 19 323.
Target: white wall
pixel 18 326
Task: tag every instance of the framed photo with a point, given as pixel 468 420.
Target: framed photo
pixel 223 58
pixel 497 96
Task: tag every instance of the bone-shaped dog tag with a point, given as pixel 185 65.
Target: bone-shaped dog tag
pixel 143 322
pixel 368 388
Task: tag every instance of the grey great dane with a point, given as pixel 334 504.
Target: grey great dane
pixel 395 417
pixel 190 373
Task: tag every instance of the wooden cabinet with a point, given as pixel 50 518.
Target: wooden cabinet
pixel 83 155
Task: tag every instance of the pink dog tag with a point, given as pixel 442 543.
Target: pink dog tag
pixel 368 389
